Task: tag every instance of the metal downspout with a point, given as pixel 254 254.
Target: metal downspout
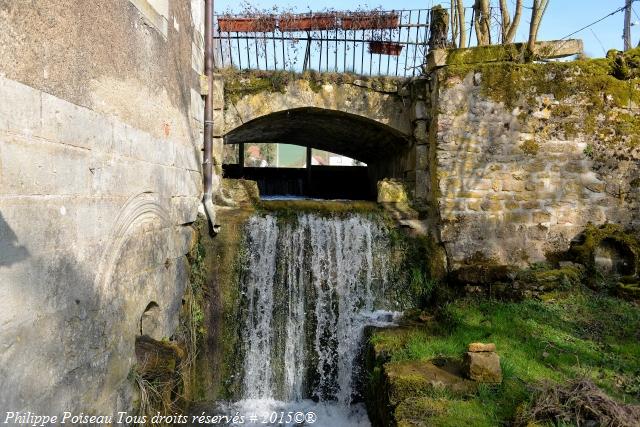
pixel 207 167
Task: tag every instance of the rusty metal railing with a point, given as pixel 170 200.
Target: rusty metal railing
pixel 391 43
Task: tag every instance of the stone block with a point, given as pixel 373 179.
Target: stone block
pixel 188 157
pixel 217 91
pixel 20 107
pixel 422 185
pixel 420 131
pixel 197 105
pixel 422 157
pixel 491 206
pixel 478 347
pixel 513 185
pixel 149 149
pixel 540 217
pixel 482 184
pixel 184 209
pixel 36 168
pixel 483 367
pixel 419 111
pixel 474 205
pixel 241 191
pixel 218 123
pixel 71 124
pixel 197 58
pixel 392 191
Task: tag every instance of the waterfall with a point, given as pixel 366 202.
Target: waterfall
pixel 310 286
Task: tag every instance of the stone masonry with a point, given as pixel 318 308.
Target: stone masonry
pixel 100 142
pixel 515 184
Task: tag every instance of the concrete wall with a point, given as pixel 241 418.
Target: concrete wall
pixel 524 157
pixel 100 118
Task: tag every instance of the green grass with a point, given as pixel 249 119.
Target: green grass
pixel 576 335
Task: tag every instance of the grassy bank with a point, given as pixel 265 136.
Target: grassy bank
pixel 575 335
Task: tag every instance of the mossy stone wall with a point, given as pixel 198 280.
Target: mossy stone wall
pixel 528 154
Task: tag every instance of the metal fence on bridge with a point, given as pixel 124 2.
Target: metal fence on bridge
pixel 392 43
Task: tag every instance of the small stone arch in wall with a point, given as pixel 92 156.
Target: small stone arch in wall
pixel 150 321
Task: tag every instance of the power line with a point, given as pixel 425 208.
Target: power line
pixel 598 21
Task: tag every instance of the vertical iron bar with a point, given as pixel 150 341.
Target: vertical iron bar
pixel 284 58
pixel 246 41
pixel 389 56
pixel 239 55
pixel 399 40
pixel 406 54
pixel 415 47
pixel 320 54
pixel 336 51
pixel 255 41
pixel 275 52
pixel 371 57
pixel 362 55
pixel 327 51
pixel 230 49
pixel 344 51
pixel 354 51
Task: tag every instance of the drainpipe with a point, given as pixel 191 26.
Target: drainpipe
pixel 207 169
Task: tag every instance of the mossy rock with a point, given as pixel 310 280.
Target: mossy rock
pixel 609 236
pixel 392 191
pixel 241 191
pixel 630 291
pixel 422 378
pixel 625 65
pixel 552 279
pixel 481 274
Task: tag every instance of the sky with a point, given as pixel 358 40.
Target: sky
pixel 562 18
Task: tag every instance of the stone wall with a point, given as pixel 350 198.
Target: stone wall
pixel 100 143
pixel 526 155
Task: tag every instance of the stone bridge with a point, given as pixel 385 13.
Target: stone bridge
pixel 373 120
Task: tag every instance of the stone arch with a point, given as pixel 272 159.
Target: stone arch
pixel 134 275
pixel 343 133
pixel 355 98
pixel 140 211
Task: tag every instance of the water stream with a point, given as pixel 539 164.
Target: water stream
pixel 311 285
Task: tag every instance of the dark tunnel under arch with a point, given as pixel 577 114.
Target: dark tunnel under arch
pixel 338 132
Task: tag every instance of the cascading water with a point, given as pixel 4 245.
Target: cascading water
pixel 311 285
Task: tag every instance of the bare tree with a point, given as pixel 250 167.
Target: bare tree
pixel 537 12
pixel 482 19
pixel 462 29
pixel 509 27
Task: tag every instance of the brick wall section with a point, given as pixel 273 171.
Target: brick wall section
pixel 516 184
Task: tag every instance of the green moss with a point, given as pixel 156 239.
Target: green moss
pixel 627 126
pixel 249 82
pixel 288 208
pixel 240 83
pixel 484 54
pixel 552 279
pixel 593 236
pixel 530 147
pixel 565 338
pixel 513 83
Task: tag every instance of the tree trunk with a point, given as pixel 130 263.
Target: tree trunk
pixel 461 24
pixel 482 20
pixel 626 35
pixel 509 27
pixel 537 12
pixel 454 24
